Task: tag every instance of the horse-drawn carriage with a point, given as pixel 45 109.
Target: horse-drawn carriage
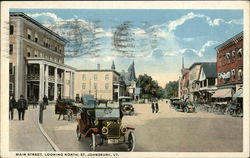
pixel 66 106
pixel 103 124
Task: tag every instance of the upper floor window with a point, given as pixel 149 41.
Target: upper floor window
pixel 240 74
pixel 84 77
pixel 29 34
pixel 228 57
pixel 11 89
pixel 95 77
pixel 107 77
pixel 11 71
pixel 233 55
pixel 11 49
pixel 28 51
pixel 240 52
pixel 233 74
pixel 11 29
pixel 36 37
pixel 36 53
pixel 95 85
pixel 84 86
pixel 106 86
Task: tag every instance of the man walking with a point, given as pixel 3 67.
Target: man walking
pixel 153 107
pixel 12 105
pixel 21 107
pixel 45 101
pixel 34 102
pixel 156 107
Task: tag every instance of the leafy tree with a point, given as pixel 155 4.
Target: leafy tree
pixel 149 87
pixel 171 89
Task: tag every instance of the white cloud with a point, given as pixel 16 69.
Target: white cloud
pixel 212 22
pixel 48 14
pixel 188 39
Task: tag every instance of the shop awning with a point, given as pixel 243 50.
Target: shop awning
pixel 222 93
pixel 238 94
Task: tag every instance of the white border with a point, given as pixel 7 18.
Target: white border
pixel 244 5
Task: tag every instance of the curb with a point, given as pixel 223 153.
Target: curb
pixel 53 145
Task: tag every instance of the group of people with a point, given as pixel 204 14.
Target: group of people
pixel 155 107
pixel 21 105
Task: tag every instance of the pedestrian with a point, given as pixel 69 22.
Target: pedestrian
pixel 34 102
pixel 45 101
pixel 21 107
pixel 41 105
pixel 156 107
pixel 153 107
pixel 12 106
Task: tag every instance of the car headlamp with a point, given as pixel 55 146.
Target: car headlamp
pixel 123 129
pixel 105 130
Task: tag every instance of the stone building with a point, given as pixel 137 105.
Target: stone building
pixel 102 83
pixel 230 68
pixel 36 64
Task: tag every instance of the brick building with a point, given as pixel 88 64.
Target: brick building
pixel 230 67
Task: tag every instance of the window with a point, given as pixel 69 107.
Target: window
pixel 233 74
pixel 106 77
pixel 28 51
pixel 36 53
pixel 11 88
pixel 83 77
pixel 233 55
pixel 11 29
pixel 106 86
pixel 11 69
pixel 29 34
pixel 228 57
pixel 84 86
pixel 60 51
pixel 95 86
pixel 240 74
pixel 56 48
pixel 11 49
pixel 36 37
pixel 240 52
pixel 95 77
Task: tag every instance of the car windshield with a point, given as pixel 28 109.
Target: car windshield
pixel 107 113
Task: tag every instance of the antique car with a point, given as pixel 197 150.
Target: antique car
pixel 180 105
pixel 103 125
pixel 126 105
pixel 66 106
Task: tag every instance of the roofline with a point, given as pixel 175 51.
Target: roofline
pixel 96 70
pixel 25 16
pixel 229 40
pixel 199 63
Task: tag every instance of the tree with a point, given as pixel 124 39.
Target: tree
pixel 171 89
pixel 149 87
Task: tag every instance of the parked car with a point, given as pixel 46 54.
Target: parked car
pixel 103 124
pixel 126 105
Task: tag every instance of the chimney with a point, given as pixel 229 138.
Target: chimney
pixel 98 67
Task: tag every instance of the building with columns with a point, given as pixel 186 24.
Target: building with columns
pixel 37 61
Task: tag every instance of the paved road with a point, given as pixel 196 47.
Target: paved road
pixel 167 131
pixel 26 135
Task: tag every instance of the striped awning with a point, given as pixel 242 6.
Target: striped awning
pixel 222 93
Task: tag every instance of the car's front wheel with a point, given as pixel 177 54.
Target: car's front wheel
pixel 93 145
pixel 78 134
pixel 131 141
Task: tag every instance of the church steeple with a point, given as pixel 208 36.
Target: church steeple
pixel 131 71
pixel 113 65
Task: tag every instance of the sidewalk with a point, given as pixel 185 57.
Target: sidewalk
pixel 26 135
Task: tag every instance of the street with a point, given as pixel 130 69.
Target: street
pixel 166 131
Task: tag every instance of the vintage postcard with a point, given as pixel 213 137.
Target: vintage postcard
pixel 125 79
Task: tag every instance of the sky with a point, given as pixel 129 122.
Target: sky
pixel 158 39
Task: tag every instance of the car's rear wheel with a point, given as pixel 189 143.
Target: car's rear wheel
pixel 93 145
pixel 186 109
pixel 78 134
pixel 131 141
